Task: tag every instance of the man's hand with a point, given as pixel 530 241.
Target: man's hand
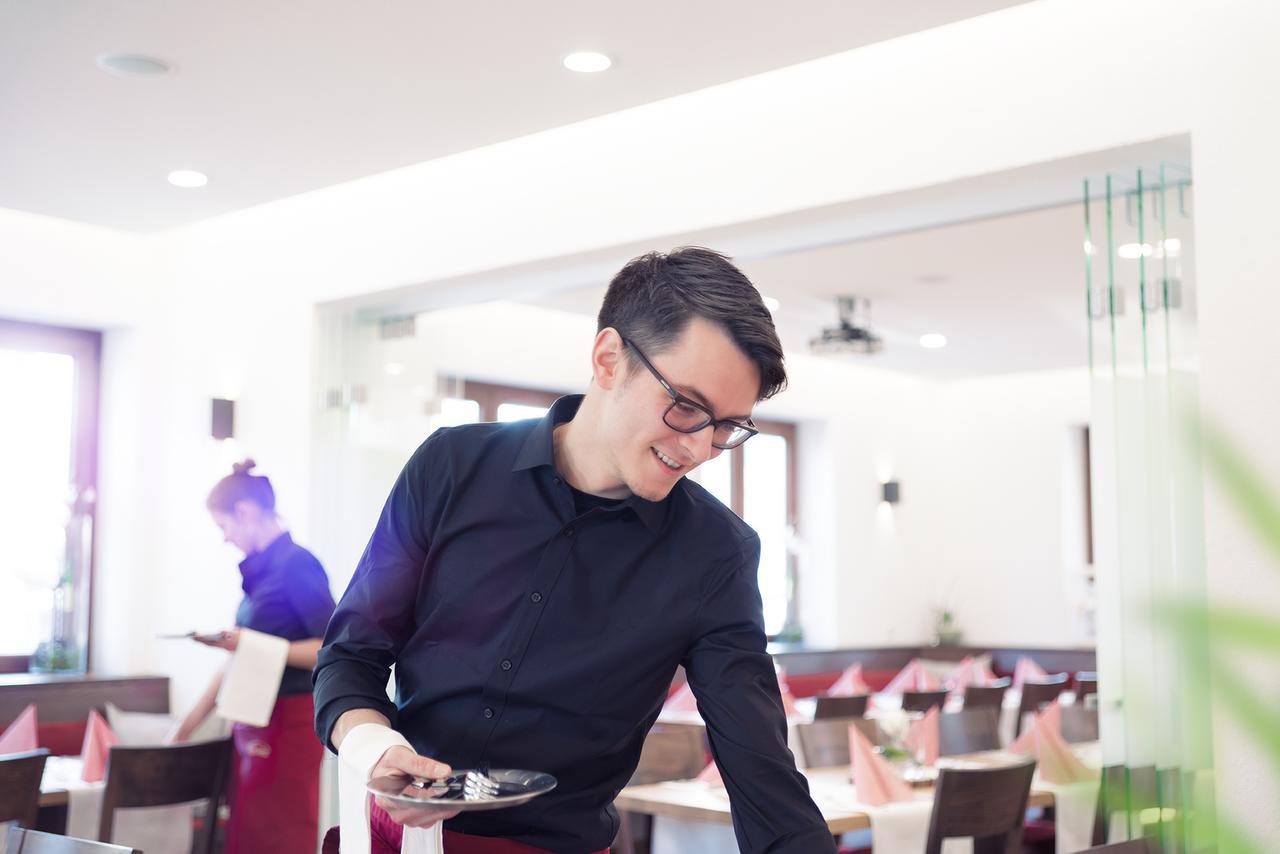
pixel 403 762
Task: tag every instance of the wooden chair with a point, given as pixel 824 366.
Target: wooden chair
pixel 840 707
pixel 157 776
pixel 1079 724
pixel 22 841
pixel 20 775
pixel 1086 684
pixel 968 731
pixel 986 696
pixel 1125 790
pixel 922 701
pixel 825 743
pixel 1036 694
pixel 988 805
pixel 670 752
pixel 1133 846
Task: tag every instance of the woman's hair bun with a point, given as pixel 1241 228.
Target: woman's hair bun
pixel 243 468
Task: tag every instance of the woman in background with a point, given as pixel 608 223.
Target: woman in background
pixel 275 780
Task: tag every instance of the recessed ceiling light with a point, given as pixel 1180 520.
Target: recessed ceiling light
pixel 587 62
pixel 188 178
pixel 933 340
pixel 772 303
pixel 132 64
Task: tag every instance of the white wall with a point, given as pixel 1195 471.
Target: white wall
pixel 978 96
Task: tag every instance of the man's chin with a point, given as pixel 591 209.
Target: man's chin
pixel 653 492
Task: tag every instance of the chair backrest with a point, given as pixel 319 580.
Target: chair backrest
pixel 968 731
pixel 1133 846
pixel 1036 694
pixel 1079 724
pixel 671 753
pixel 155 776
pixel 825 743
pixel 840 707
pixel 986 696
pixel 20 775
pixel 22 841
pixel 1129 791
pixel 1086 684
pixel 922 701
pixel 988 804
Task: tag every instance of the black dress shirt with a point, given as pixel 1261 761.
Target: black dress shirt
pixel 286 594
pixel 527 635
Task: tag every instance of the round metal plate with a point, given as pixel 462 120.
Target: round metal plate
pixel 514 787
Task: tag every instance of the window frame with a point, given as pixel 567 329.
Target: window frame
pixel 84 346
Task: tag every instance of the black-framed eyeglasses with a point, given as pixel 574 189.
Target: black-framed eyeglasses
pixel 689 416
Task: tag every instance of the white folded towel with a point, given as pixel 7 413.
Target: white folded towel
pixel 360 752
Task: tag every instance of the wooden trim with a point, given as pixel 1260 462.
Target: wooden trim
pixel 491 395
pixel 69 698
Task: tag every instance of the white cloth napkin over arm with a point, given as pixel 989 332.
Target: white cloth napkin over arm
pixel 249 690
pixel 361 749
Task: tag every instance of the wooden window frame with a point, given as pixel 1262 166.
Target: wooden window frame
pixel 85 347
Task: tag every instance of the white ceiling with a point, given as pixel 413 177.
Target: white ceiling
pixel 1007 291
pixel 273 98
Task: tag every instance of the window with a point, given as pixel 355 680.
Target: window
pixel 757 481
pixel 48 452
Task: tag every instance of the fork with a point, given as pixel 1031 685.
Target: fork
pixel 477 785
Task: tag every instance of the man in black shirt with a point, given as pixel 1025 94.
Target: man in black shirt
pixel 536 584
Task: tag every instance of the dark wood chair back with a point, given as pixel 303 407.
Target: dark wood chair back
pixel 988 805
pixel 1079 724
pixel 968 731
pixel 1086 684
pixel 22 841
pixel 840 707
pixel 825 743
pixel 922 701
pixel 156 776
pixel 986 696
pixel 1133 846
pixel 1125 790
pixel 1036 694
pixel 671 752
pixel 20 775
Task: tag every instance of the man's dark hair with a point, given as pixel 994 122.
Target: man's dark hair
pixel 654 297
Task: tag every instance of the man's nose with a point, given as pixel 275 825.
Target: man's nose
pixel 697 446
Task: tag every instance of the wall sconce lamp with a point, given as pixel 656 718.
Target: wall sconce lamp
pixel 890 492
pixel 223 422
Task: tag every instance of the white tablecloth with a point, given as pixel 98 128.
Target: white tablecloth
pixel 155 830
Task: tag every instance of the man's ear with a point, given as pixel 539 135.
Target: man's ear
pixel 245 511
pixel 608 359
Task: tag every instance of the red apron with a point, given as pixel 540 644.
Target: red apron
pixel 275 782
pixel 386 835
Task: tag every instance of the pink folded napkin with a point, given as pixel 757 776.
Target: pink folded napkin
pixel 710 774
pixel 21 735
pixel 1027 669
pixel 923 737
pixel 963 676
pixel 788 701
pixel 681 701
pixel 913 677
pixel 98 739
pixel 850 683
pixel 874 781
pixel 1043 740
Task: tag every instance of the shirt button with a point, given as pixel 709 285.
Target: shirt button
pixel 535 598
pixel 506 664
pixel 488 712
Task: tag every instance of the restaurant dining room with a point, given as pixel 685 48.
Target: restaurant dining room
pixel 668 428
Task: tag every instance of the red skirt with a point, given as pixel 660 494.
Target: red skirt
pixel 386 837
pixel 275 782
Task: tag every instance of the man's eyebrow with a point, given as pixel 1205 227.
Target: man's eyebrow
pixel 692 392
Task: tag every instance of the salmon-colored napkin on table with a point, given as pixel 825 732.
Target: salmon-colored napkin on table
pixel 923 737
pixel 874 781
pixel 850 683
pixel 98 740
pixel 681 701
pixel 913 677
pixel 1026 669
pixel 1043 740
pixel 710 774
pixel 22 734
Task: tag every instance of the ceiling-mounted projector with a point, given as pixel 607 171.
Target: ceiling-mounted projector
pixel 853 335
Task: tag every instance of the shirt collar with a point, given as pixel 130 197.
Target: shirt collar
pixel 256 566
pixel 538 450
